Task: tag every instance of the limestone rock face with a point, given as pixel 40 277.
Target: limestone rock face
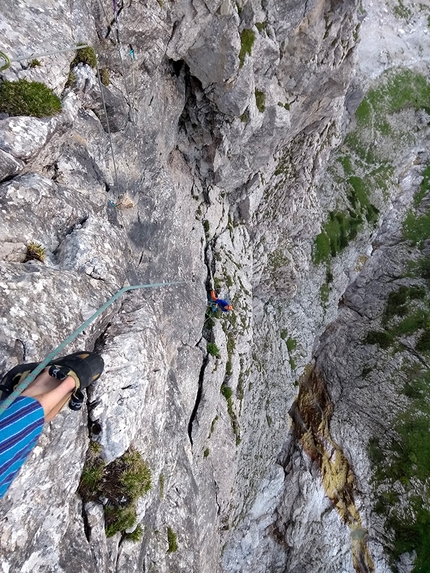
pixel 224 152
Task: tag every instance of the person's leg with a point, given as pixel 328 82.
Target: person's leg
pixel 22 422
pixel 53 401
pixel 43 383
pixel 50 393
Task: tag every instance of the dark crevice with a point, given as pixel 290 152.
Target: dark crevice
pixel 210 263
pixel 112 23
pixel 305 9
pixel 8 178
pixel 100 341
pixel 198 397
pixel 199 125
pixel 80 222
pixel 69 231
pixel 206 333
pixel 177 67
pixel 87 528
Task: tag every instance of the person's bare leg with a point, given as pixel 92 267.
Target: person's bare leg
pixel 43 383
pixel 64 391
pixel 50 393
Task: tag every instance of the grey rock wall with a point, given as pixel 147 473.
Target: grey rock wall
pixel 209 167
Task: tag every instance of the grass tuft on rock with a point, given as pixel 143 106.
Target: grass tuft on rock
pixel 227 392
pixel 212 349
pixel 28 98
pixel 35 252
pixel 172 540
pixel 122 483
pixel 247 39
pixel 337 231
pixel 85 56
pixel 118 519
pixel 381 338
pixel 416 228
pixel 260 101
pixel 135 535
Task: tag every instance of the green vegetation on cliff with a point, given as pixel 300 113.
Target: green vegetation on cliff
pixel 401 459
pixel 247 39
pixel 260 100
pixel 172 540
pixel 401 470
pixel 121 483
pixel 28 98
pixel 85 55
pixel 365 163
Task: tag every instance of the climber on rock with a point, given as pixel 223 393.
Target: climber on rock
pixel 22 422
pixel 220 303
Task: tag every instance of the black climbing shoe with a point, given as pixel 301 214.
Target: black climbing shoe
pixel 84 367
pixel 11 380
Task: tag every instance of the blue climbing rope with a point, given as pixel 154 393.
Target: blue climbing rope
pixel 25 383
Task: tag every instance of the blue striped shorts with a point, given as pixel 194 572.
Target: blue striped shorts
pixel 20 427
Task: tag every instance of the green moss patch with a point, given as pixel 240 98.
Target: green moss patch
pixel 247 39
pixel 105 76
pixel 359 199
pixel 337 232
pixel 342 227
pixel 172 540
pixel 231 344
pixel 135 535
pixel 227 392
pixel 416 228
pixel 381 338
pixel 377 127
pixel 260 100
pixel 244 118
pixel 401 459
pixel 85 56
pixel 399 90
pixel 161 482
pixel 212 349
pixel 261 26
pixel 121 482
pixel 406 313
pixel 424 187
pixel 397 302
pixel 345 161
pixel 401 11
pixel 28 98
